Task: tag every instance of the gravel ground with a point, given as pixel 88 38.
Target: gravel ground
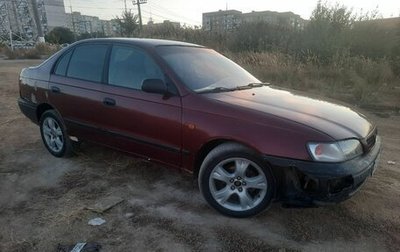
pixel 43 200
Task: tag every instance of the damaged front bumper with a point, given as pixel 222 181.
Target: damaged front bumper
pixel 307 183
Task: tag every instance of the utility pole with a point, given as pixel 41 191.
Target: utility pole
pixel 138 3
pixel 72 20
pixel 9 27
pixel 126 9
pixel 37 21
pixel 19 27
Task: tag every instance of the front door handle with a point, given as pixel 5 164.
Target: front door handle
pixel 55 89
pixel 109 102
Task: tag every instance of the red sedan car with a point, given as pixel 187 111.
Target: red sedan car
pixel 188 107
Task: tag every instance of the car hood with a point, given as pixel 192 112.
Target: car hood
pixel 337 121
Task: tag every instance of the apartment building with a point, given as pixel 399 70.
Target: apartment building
pixel 52 13
pixel 229 20
pixel 220 21
pixel 81 24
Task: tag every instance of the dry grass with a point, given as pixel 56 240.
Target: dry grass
pixel 41 50
pixel 358 80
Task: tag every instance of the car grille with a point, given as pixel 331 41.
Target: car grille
pixel 371 139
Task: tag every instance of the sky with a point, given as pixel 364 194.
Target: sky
pixel 190 12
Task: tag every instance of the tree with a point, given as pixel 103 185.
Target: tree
pixel 128 24
pixel 328 30
pixel 338 17
pixel 60 35
pixel 262 36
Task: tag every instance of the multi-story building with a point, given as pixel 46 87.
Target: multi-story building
pixel 165 23
pixel 81 24
pixel 109 27
pixel 52 13
pixel 229 20
pixel 19 17
pixel 220 21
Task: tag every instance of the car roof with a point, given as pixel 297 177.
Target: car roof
pixel 144 42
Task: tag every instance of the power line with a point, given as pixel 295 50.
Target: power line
pixel 159 16
pixel 162 12
pixel 159 8
pixel 163 17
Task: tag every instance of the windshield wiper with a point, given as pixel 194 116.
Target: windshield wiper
pixel 253 85
pixel 225 89
pixel 215 90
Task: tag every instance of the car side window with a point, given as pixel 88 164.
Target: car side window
pixel 129 67
pixel 87 62
pixel 62 64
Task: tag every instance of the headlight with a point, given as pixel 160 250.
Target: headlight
pixel 336 151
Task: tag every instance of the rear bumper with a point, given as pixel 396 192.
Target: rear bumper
pixel 313 183
pixel 29 109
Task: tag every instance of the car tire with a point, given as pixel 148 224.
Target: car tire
pixel 235 181
pixel 54 134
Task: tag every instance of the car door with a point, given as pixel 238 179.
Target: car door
pixel 145 124
pixel 76 89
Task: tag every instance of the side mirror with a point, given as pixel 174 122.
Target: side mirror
pixel 155 86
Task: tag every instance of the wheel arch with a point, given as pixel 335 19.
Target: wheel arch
pixel 41 109
pixel 227 149
pixel 209 146
pixel 44 112
pixel 212 144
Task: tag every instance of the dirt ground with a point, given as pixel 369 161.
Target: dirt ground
pixel 43 200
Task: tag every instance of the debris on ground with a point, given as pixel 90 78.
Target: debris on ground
pixel 105 204
pixel 97 221
pixel 80 247
pixel 129 215
pixel 391 162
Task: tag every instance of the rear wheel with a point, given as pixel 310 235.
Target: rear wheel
pixel 235 181
pixel 54 135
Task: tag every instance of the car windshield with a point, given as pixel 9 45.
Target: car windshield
pixel 204 70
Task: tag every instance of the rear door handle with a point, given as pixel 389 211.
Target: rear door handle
pixel 109 102
pixel 55 89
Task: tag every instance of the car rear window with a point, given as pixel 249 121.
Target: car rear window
pixel 87 62
pixel 62 64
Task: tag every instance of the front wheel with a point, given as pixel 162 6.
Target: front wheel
pixel 54 134
pixel 235 181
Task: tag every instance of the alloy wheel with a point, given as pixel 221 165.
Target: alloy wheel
pixel 238 184
pixel 53 134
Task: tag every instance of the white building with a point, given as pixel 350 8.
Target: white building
pixel 81 24
pixel 54 12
